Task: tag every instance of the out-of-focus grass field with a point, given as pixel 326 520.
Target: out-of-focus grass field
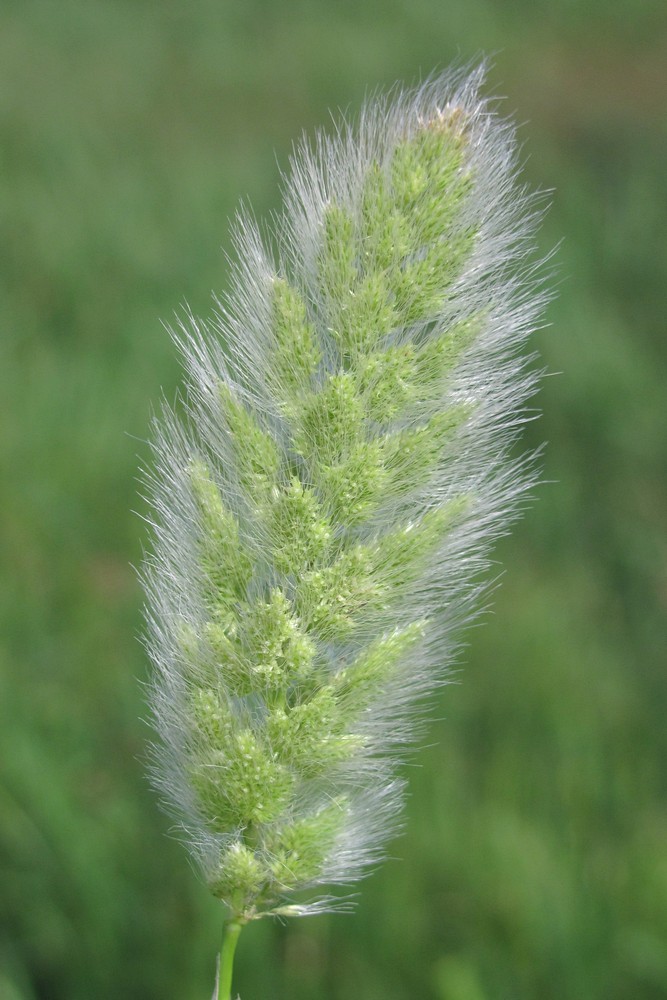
pixel 534 861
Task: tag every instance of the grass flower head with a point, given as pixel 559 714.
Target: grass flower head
pixel 324 510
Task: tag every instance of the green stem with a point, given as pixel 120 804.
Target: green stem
pixel 230 937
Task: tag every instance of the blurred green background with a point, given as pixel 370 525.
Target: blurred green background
pixel 534 862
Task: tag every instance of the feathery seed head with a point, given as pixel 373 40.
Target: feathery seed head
pixel 323 513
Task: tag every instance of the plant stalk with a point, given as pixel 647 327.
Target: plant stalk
pixel 229 939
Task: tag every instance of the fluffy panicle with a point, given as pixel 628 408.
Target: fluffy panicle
pixel 324 511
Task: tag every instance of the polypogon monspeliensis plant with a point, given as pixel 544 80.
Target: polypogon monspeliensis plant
pixel 324 509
